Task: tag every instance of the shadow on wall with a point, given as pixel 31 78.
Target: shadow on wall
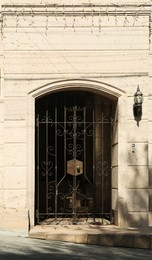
pixel 136 205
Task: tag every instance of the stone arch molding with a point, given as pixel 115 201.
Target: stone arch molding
pixel 101 88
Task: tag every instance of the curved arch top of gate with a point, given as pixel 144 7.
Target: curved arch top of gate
pixel 76 84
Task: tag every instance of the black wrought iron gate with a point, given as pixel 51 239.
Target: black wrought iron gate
pixel 73 158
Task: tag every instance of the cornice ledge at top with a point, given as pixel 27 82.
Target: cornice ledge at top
pixel 80 2
pixel 74 9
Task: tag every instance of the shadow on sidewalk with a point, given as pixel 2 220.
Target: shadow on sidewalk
pixel 19 248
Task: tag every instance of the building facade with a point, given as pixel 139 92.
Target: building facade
pixel 70 147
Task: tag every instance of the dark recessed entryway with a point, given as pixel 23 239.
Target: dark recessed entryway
pixel 73 158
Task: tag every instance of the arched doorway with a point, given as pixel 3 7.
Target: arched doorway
pixel 73 158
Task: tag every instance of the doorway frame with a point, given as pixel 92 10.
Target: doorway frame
pixel 118 162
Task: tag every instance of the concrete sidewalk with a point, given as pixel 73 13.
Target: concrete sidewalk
pixel 21 248
pixel 108 235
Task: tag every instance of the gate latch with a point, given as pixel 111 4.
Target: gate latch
pixel 74 167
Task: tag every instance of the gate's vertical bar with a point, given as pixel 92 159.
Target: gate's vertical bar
pixel 84 140
pixel 111 136
pixel 94 169
pixel 56 187
pixel 46 157
pixel 37 167
pixel 102 161
pixel 65 122
pixel 75 157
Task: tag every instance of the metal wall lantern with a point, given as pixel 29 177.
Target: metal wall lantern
pixel 137 106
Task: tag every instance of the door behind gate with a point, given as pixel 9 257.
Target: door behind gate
pixel 73 158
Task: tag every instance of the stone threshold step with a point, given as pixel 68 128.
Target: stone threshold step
pixel 132 240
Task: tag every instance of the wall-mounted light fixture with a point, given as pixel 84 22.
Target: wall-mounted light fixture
pixel 137 106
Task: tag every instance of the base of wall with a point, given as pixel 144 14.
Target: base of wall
pixel 14 221
pixel 139 220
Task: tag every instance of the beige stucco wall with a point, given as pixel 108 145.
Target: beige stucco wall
pixel 109 53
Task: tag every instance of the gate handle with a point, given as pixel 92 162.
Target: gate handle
pixel 78 169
